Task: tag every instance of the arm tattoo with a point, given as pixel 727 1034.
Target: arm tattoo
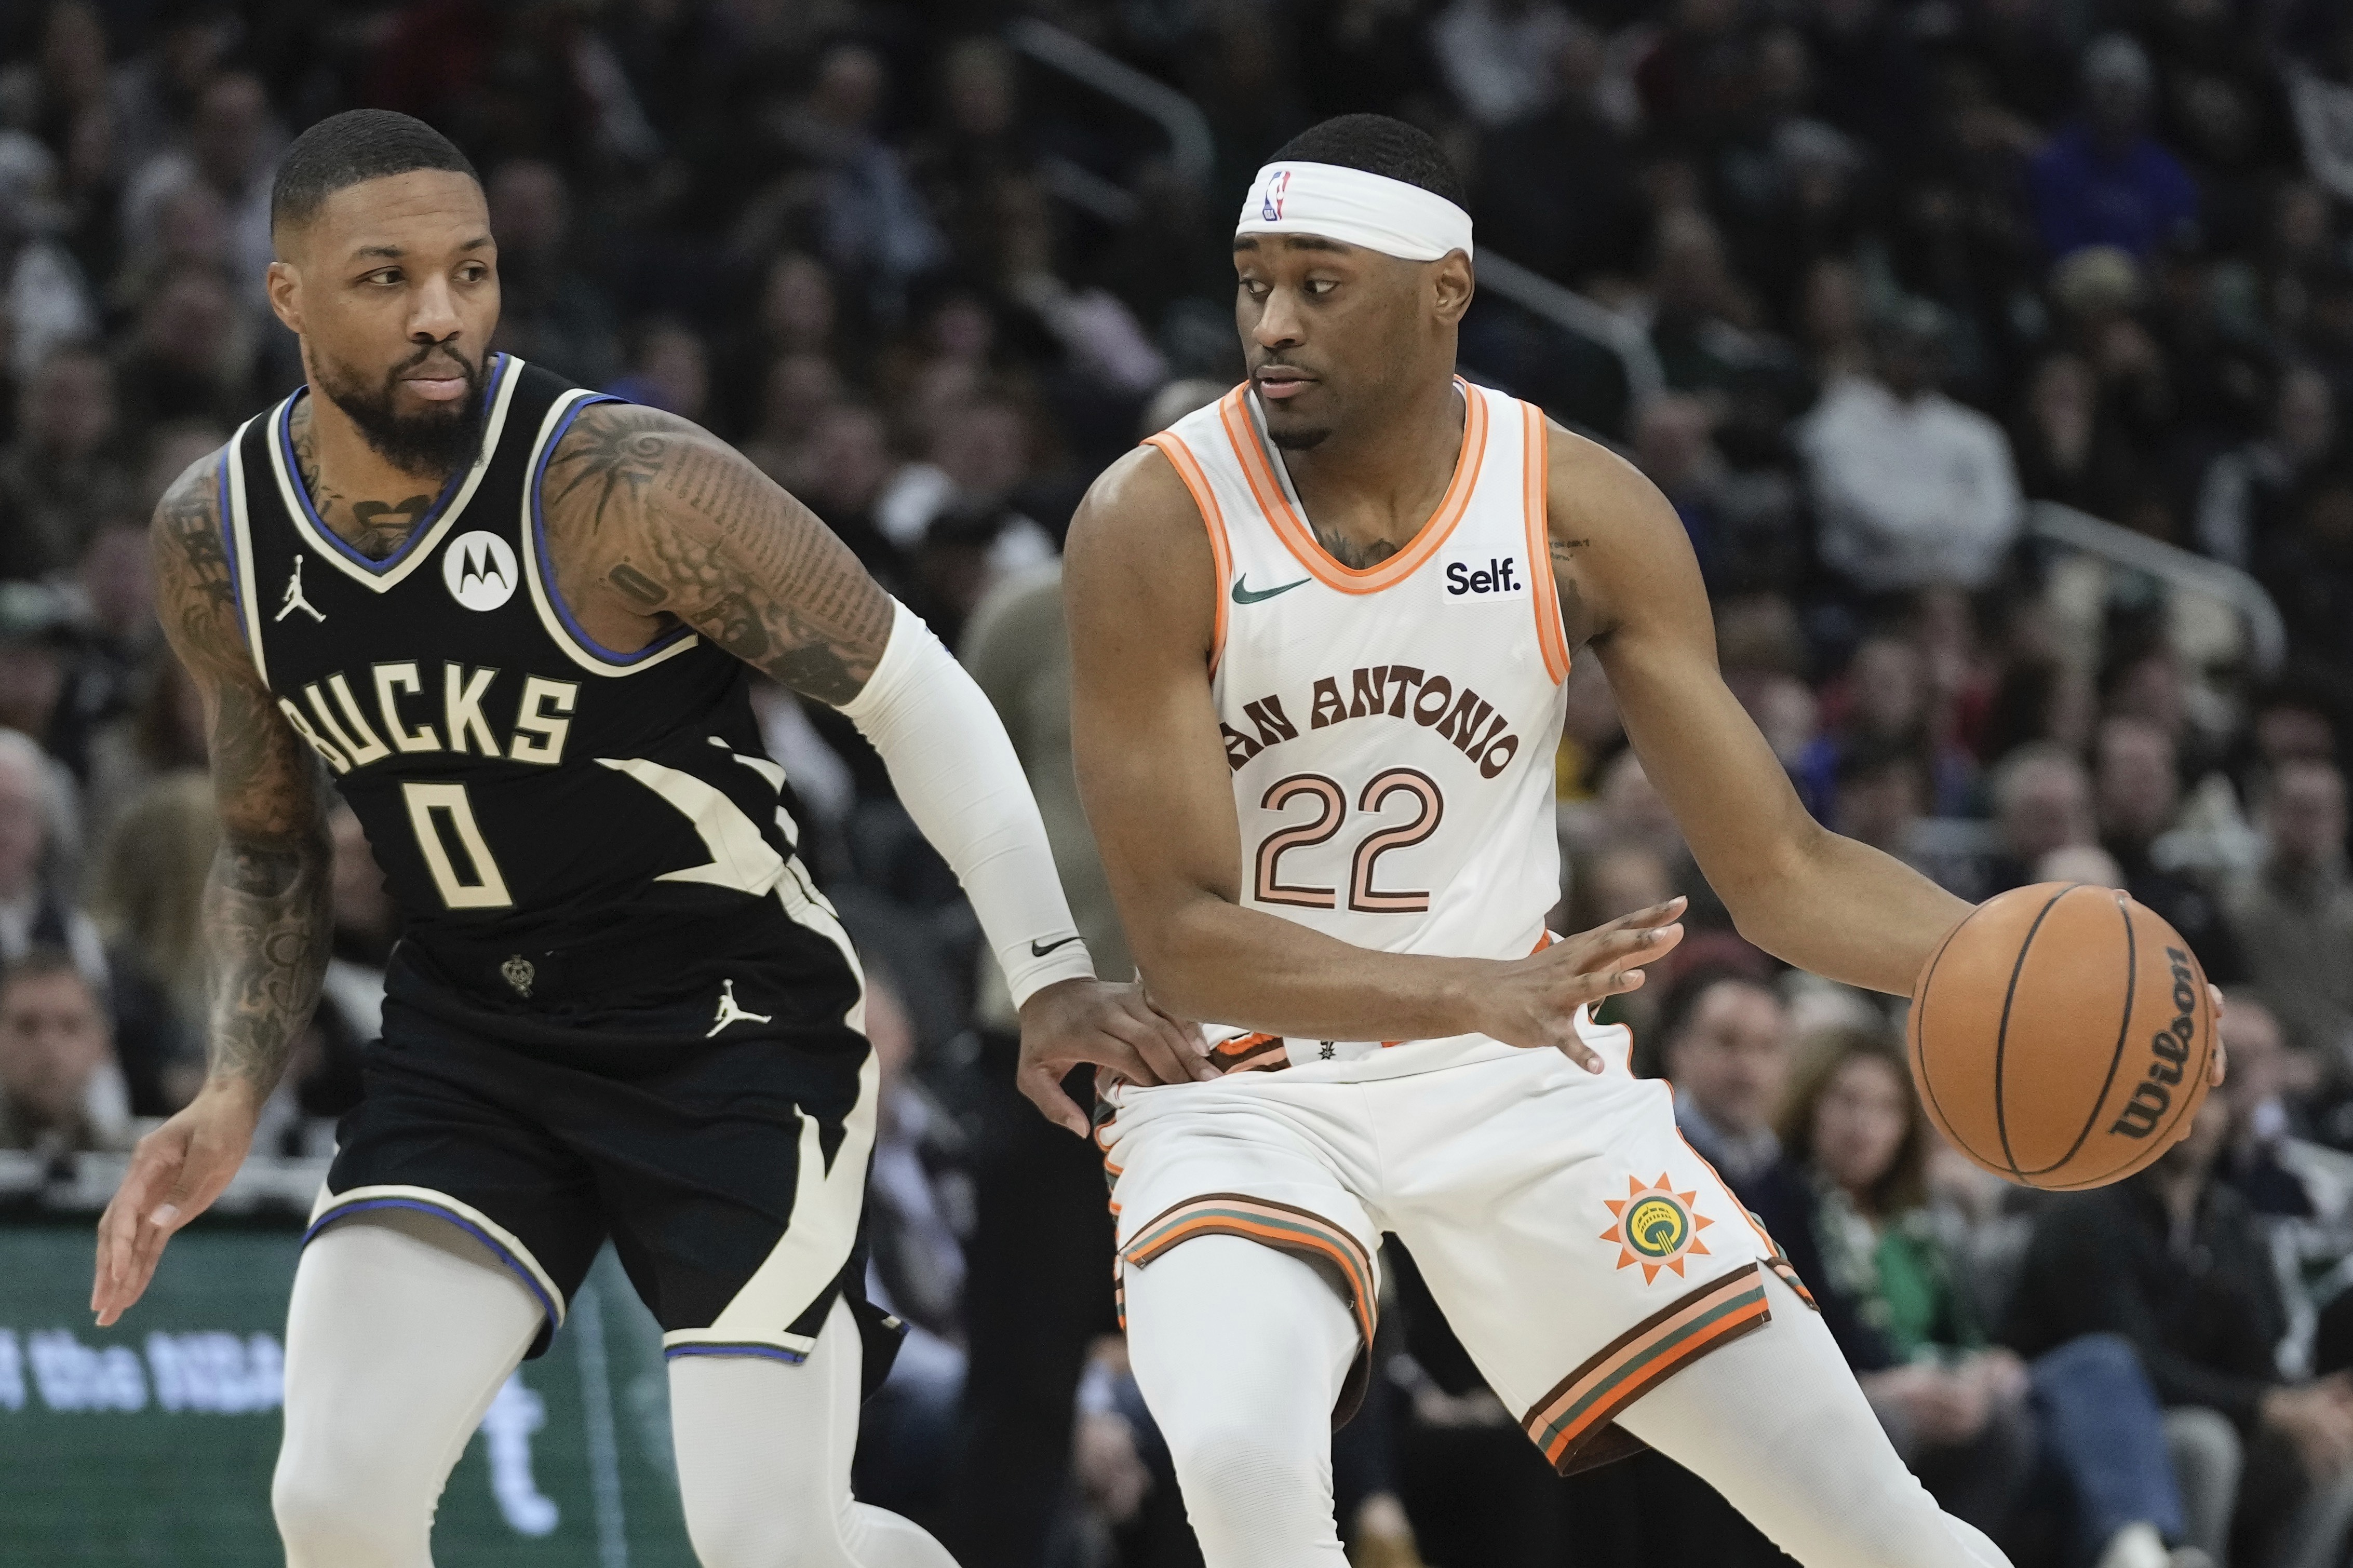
pixel 267 907
pixel 607 455
pixel 266 902
pixel 700 534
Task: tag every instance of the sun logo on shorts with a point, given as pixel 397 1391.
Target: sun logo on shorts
pixel 1657 1227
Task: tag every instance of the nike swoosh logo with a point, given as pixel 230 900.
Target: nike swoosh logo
pixel 1039 949
pixel 1253 595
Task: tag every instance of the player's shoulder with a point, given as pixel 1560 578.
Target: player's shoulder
pixel 1138 502
pixel 1593 491
pixel 186 524
pixel 611 456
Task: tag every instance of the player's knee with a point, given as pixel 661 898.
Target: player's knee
pixel 1238 1477
pixel 333 1513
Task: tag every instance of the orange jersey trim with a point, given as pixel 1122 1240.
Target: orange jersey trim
pixel 1266 490
pixel 1537 464
pixel 1213 519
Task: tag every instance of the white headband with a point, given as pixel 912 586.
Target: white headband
pixel 1356 207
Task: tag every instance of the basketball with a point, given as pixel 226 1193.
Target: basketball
pixel 2061 1036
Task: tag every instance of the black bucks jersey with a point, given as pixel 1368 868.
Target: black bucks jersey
pixel 566 827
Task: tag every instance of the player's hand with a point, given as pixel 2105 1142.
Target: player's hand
pixel 1112 1026
pixel 1531 1002
pixel 176 1174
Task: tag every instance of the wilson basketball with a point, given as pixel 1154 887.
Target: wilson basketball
pixel 2061 1034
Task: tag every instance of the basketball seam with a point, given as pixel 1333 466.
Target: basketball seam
pixel 1919 1020
pixel 2001 1036
pixel 2124 1033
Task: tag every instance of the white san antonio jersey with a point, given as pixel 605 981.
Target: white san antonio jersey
pixel 1391 731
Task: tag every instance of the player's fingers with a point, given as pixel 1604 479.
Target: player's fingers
pixel 1634 944
pixel 1181 1036
pixel 2217 1069
pixel 1164 1056
pixel 1570 1044
pixel 119 1227
pixel 1045 1092
pixel 1656 914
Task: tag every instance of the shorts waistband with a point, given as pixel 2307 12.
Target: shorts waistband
pixel 524 971
pixel 1272 1053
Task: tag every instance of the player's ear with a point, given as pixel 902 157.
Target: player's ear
pixel 1452 284
pixel 285 286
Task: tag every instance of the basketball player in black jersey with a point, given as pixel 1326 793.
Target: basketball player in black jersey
pixel 513 622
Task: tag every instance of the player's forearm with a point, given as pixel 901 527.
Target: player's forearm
pixel 267 908
pixel 957 774
pixel 1206 958
pixel 1844 911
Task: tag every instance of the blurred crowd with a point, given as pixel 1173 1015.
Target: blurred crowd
pixel 1894 284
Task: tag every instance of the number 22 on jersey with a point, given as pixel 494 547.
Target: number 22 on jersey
pixel 1330 800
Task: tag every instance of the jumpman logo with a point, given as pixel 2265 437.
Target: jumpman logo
pixel 294 599
pixel 731 1014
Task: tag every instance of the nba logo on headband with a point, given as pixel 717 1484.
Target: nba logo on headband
pixel 1270 204
pixel 1354 206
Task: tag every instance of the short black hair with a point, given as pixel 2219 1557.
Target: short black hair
pixel 359 144
pixel 1379 145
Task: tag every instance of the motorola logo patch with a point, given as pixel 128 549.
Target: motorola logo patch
pixel 480 569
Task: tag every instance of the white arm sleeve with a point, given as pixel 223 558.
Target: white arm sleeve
pixel 956 773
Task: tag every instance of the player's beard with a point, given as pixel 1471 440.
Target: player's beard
pixel 438 441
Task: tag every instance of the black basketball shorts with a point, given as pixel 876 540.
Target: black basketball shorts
pixel 724 1155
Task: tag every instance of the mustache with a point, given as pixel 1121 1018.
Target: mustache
pixel 471 369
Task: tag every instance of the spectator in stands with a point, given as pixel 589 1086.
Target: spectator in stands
pixel 1724 1044
pixel 2069 447
pixel 146 898
pixel 668 369
pixel 190 358
pixel 1910 487
pixel 2176 1262
pixel 44 302
pixel 1880 795
pixel 2103 180
pixel 34 909
pixel 2263 1158
pixel 1740 523
pixel 872 223
pixel 549 310
pixel 163 733
pixel 60 1092
pixel 2041 802
pixel 230 148
pixel 2137 791
pixel 1885 701
pixel 1963 1413
pixel 2249 493
pixel 1556 189
pixel 1497 55
pixel 2293 915
pixel 63 478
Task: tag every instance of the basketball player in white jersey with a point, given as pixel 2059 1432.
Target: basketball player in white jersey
pixel 1319 631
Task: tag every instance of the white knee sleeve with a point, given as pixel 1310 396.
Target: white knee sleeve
pixel 1776 1422
pixel 399 1336
pixel 764 1452
pixel 1241 1352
